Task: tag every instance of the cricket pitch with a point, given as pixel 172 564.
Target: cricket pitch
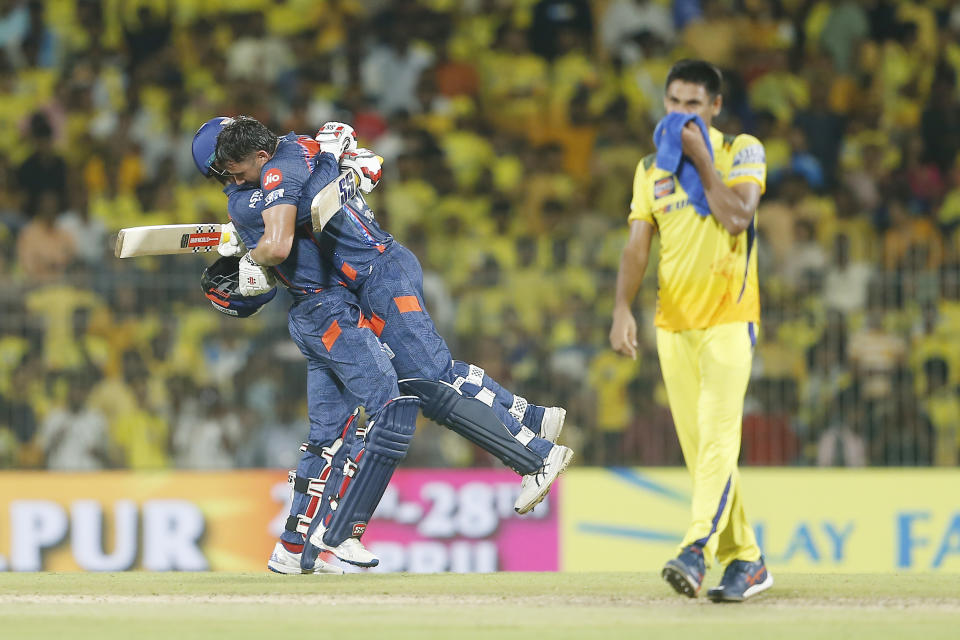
pixel 541 606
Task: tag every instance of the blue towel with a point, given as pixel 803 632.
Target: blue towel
pixel 670 156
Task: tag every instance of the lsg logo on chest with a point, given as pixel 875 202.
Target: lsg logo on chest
pixel 664 187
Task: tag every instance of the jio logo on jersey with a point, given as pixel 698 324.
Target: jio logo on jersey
pixel 272 178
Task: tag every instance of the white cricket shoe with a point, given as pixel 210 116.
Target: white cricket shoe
pixel 288 562
pixel 535 486
pixel 552 423
pixel 350 550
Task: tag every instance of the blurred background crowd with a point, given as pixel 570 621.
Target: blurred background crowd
pixel 511 131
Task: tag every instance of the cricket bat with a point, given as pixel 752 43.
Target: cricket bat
pixel 166 239
pixel 170 239
pixel 331 199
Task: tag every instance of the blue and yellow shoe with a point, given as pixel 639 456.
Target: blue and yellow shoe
pixel 741 580
pixel 685 572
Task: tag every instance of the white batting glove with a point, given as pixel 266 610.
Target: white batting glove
pixel 336 138
pixel 230 242
pixel 367 165
pixel 254 279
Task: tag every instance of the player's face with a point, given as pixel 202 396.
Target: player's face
pixel 247 171
pixel 688 97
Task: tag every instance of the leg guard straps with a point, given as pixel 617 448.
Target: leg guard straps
pixel 365 478
pixel 472 380
pixel 475 421
pixel 318 466
pixel 312 488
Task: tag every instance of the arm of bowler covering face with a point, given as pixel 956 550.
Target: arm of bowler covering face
pixel 734 206
pixel 325 171
pixel 279 225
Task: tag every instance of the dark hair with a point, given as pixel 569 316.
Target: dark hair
pixel 241 138
pixel 697 72
pixel 40 126
pixel 936 368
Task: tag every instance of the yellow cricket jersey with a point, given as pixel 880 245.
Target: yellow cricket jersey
pixel 706 277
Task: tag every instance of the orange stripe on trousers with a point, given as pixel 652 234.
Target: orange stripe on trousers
pixel 407 303
pixel 330 335
pixel 375 323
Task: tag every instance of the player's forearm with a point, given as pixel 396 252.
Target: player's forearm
pixel 277 239
pixel 725 205
pixel 633 266
pixel 268 254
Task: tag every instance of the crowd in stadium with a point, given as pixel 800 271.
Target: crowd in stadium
pixel 511 132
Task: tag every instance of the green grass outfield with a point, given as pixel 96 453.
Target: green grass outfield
pixel 532 606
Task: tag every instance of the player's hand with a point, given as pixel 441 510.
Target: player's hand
pixel 230 242
pixel 693 144
pixel 367 165
pixel 623 333
pixel 254 279
pixel 336 138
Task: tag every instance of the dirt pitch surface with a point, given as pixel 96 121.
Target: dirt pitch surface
pixel 537 606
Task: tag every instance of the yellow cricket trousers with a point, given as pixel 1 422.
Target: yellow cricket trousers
pixel 705 372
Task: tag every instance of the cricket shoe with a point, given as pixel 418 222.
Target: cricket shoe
pixel 685 572
pixel 552 423
pixel 741 580
pixel 282 560
pixel 535 486
pixel 350 550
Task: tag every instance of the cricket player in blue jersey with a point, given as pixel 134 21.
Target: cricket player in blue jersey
pixel 388 281
pixel 344 471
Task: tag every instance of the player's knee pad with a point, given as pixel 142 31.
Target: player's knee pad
pixel 476 421
pixel 365 478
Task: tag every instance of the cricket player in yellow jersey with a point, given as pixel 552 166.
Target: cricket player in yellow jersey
pixel 707 313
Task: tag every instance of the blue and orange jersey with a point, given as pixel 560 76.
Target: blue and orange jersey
pixel 284 175
pixel 282 180
pixel 305 270
pixel 352 240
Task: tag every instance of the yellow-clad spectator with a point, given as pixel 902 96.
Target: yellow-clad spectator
pixel 610 378
pixel 715 36
pixel 513 82
pixel 779 91
pixel 909 232
pixel 942 407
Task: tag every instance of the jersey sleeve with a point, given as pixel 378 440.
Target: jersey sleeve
pixel 640 206
pixel 749 162
pixel 245 207
pixel 282 182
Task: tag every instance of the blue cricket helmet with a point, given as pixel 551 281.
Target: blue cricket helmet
pixel 205 142
pixel 221 285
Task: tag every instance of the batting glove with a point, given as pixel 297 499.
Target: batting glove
pixel 254 279
pixel 230 242
pixel 367 165
pixel 336 138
